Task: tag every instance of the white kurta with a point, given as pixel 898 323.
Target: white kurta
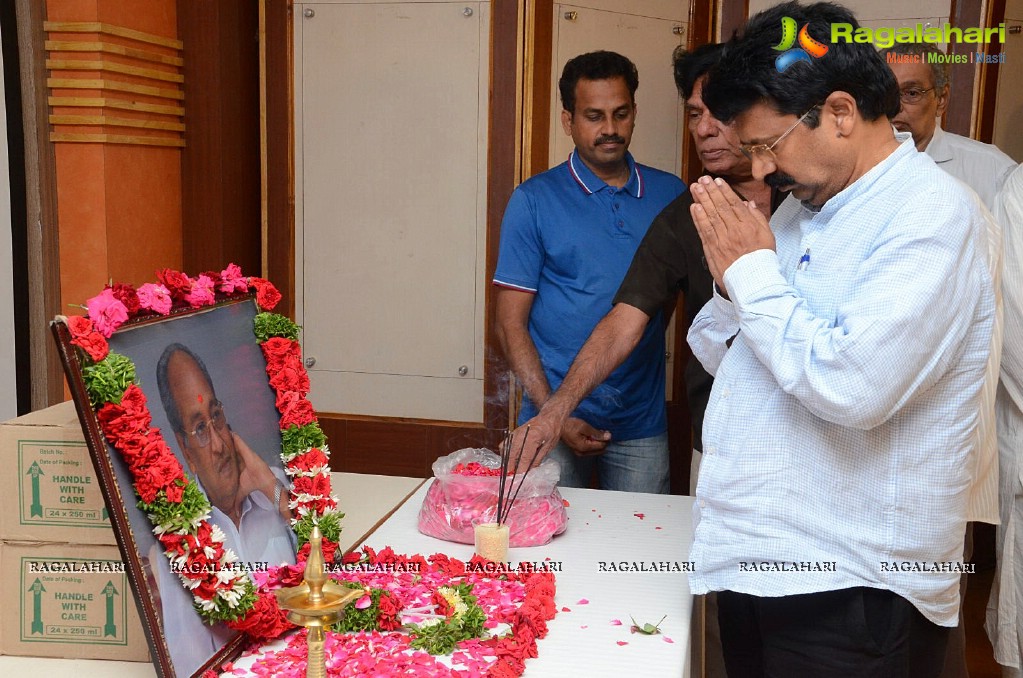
pixel 1006 602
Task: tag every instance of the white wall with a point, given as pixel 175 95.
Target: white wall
pixel 8 393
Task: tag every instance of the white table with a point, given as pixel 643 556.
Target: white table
pixel 603 530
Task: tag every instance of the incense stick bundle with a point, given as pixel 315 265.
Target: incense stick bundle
pixel 507 492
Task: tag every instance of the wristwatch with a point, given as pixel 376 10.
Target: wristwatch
pixel 277 493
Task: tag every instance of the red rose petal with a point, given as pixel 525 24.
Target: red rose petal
pixel 621 642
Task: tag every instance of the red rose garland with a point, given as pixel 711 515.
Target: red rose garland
pixel 179 512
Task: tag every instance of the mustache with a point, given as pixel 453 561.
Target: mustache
pixel 778 179
pixel 609 139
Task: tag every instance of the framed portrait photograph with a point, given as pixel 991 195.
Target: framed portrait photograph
pixel 205 381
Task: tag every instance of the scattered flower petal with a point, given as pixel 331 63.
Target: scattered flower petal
pixel 621 642
pixel 668 640
pixel 583 601
pixel 616 622
pixel 641 516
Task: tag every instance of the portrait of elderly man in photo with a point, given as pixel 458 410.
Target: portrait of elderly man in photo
pixel 248 498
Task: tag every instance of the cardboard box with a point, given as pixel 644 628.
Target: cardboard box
pixel 52 493
pixel 68 600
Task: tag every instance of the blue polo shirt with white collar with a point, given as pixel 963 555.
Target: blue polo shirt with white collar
pixel 569 238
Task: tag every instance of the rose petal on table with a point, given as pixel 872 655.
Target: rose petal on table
pixel 363 603
pixel 565 609
pixel 584 626
pixel 616 622
pixel 658 528
pixel 641 516
pixel 621 642
pixel 583 601
pixel 668 640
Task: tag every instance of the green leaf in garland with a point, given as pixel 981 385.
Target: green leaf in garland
pixel 443 637
pixel 298 439
pixel 356 619
pixel 174 517
pixel 267 325
pixel 107 380
pixel 330 526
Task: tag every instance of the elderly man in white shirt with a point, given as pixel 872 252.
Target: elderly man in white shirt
pixel 1006 603
pixel 924 91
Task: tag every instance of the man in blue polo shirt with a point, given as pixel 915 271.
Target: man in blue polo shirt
pixel 567 239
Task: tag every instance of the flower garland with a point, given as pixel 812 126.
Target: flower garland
pixel 465 599
pixel 178 510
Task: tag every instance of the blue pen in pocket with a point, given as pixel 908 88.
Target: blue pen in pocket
pixel 804 261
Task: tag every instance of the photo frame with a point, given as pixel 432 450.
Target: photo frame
pixel 221 437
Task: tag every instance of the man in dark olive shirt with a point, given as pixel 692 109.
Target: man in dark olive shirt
pixel 669 260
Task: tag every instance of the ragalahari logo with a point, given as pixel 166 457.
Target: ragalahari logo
pixel 808 47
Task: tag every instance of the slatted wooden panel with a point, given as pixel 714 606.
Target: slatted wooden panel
pixel 113 85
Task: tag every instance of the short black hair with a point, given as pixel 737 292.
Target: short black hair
pixel 170 406
pixel 600 65
pixel 747 74
pixel 691 66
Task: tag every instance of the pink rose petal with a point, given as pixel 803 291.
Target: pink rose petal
pixel 621 642
pixel 616 622
pixel 565 609
pixel 583 601
pixel 668 640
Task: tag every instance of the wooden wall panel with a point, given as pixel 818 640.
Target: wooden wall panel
pixel 220 164
pixel 397 447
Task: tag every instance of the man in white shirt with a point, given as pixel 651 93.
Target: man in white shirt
pixel 848 342
pixel 1006 603
pixel 924 92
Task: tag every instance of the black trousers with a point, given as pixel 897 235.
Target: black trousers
pixel 850 633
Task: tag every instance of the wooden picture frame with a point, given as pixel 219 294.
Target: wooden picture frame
pixel 242 408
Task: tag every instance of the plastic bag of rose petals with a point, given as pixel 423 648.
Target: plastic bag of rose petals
pixel 464 494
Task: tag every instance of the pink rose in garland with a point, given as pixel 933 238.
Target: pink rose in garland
pixel 155 298
pixel 202 293
pixel 214 277
pixel 85 336
pixel 106 312
pixel 232 280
